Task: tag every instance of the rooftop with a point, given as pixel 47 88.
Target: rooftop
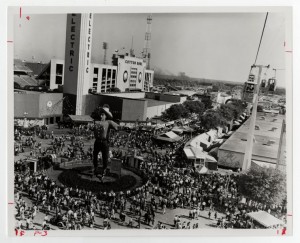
pixel 267 137
pixel 20 66
pixel 24 80
pixel 183 92
pixel 152 102
pixel 36 67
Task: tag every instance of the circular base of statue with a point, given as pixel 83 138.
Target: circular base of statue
pixel 99 175
pixel 82 176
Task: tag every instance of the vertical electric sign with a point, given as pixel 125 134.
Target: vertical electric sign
pixel 78 57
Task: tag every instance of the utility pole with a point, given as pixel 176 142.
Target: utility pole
pixel 250 137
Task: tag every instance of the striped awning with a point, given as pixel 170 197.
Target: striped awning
pixel 81 118
pixel 30 159
pixel 53 156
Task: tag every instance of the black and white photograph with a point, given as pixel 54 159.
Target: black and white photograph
pixel 163 120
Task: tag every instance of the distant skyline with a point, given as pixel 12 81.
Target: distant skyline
pixel 219 46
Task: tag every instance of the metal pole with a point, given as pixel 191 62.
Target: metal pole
pixel 250 137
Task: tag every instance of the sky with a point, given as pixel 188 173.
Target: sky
pixel 219 46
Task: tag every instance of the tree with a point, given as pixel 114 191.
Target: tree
pixel 237 107
pixel 226 111
pixel 265 185
pixel 114 89
pixel 212 119
pixel 194 106
pixel 175 112
pixel 215 88
pixel 209 90
pixel 260 108
pixel 207 102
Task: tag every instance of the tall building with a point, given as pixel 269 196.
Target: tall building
pixel 77 66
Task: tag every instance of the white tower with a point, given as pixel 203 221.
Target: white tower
pixel 78 57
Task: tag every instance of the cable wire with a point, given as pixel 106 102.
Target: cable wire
pixel 261 37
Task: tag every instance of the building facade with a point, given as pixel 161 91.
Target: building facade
pixel 56 73
pixel 44 108
pixel 129 75
pixel 77 68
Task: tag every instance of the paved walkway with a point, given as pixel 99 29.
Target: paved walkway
pixel 166 219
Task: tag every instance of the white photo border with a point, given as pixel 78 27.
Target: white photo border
pixel 154 9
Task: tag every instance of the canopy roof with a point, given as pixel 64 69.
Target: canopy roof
pixel 170 123
pixel 188 129
pixel 20 66
pixel 182 129
pixel 197 153
pixel 203 170
pixel 209 158
pixel 31 159
pixel 177 129
pixel 265 218
pixel 189 153
pixel 147 128
pixel 158 126
pixel 169 137
pixel 214 151
pixel 81 118
pixel 204 139
pixel 53 156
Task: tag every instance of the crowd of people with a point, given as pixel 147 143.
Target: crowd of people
pixel 212 196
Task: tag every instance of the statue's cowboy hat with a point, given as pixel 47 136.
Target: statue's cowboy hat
pixel 105 109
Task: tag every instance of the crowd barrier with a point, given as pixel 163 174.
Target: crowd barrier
pixel 65 164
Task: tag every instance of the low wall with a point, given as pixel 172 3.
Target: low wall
pixel 75 163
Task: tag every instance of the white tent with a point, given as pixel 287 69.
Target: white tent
pixel 203 170
pixel 265 219
pixel 170 123
pixel 189 153
pixel 177 130
pixel 171 135
pixel 210 159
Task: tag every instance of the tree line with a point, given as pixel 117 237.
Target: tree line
pixel 209 118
